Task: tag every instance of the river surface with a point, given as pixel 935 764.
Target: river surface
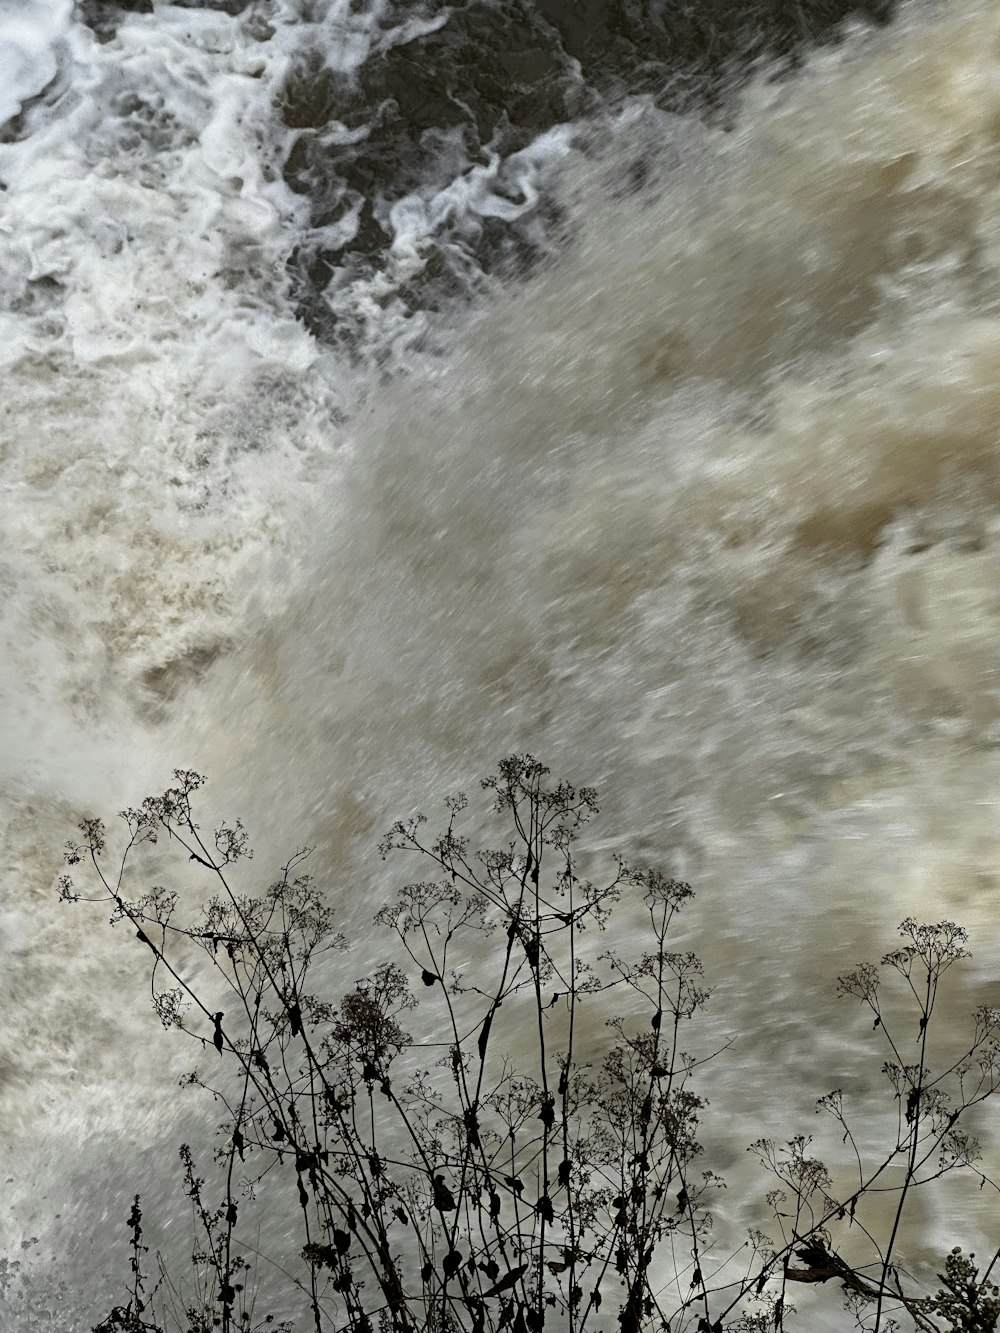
pixel 387 388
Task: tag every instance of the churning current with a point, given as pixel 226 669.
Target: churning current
pixel 389 388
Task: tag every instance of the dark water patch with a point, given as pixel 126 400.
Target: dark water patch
pixel 426 111
pixel 637 42
pixel 489 81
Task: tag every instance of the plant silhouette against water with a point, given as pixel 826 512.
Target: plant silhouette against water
pixel 440 1186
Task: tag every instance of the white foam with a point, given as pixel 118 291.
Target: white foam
pixel 31 33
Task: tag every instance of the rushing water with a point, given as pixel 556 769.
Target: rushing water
pixel 387 389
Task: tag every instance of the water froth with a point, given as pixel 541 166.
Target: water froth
pixel 707 515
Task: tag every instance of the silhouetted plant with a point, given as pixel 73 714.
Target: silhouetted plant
pixel 442 1185
pixel 131 1317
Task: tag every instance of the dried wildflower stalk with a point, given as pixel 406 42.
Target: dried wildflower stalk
pixel 439 1187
